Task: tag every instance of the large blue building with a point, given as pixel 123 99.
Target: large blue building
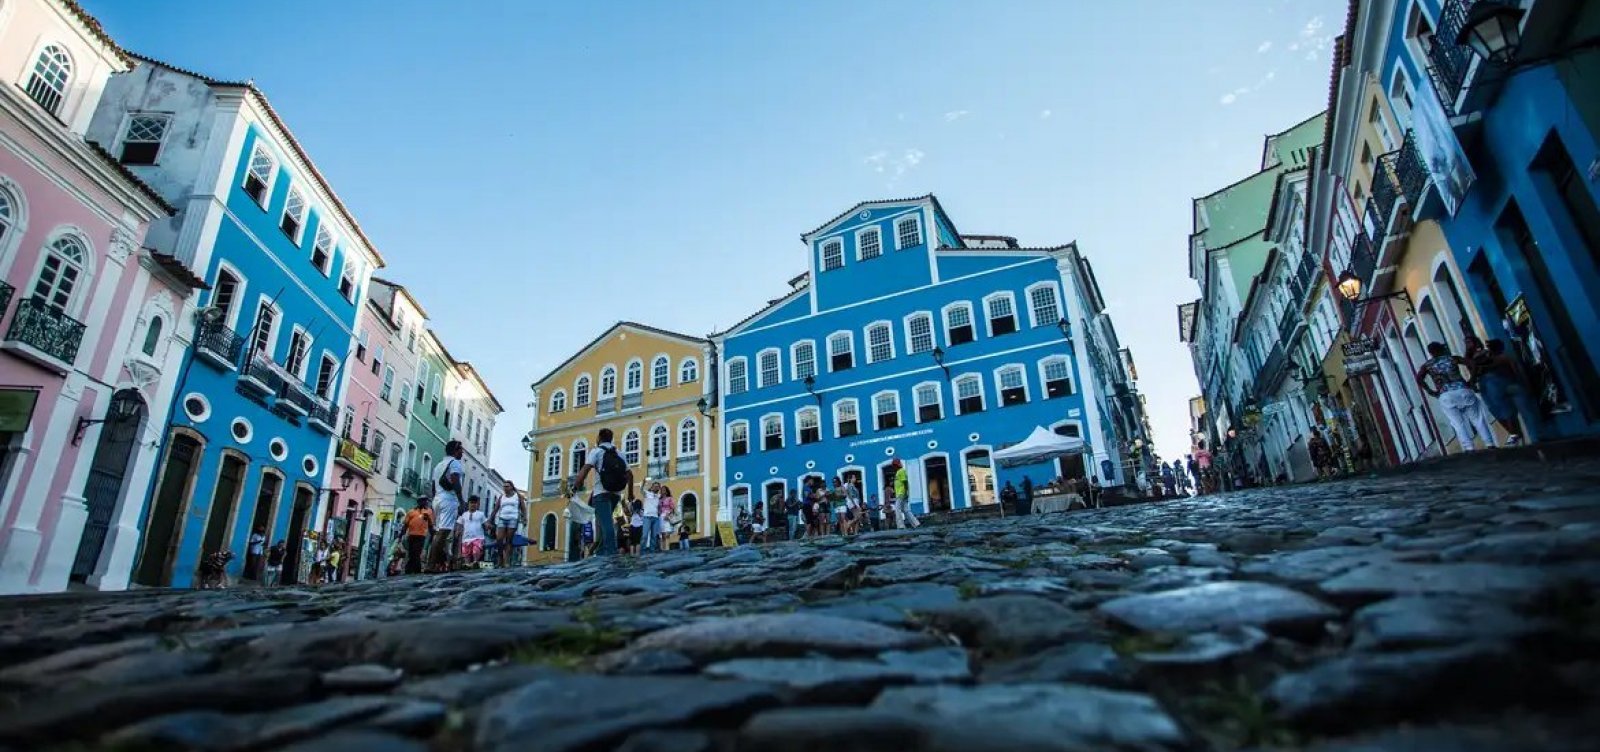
pixel 907 340
pixel 254 417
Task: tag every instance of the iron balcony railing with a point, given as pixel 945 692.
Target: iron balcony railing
pixel 1385 193
pixel 550 487
pixel 630 401
pixel 1305 275
pixel 220 341
pixel 688 465
pixel 6 291
pixel 1412 172
pixel 658 468
pixel 261 370
pixel 605 406
pixel 356 457
pixel 1448 62
pixel 322 417
pixel 1287 325
pixel 411 482
pixel 47 330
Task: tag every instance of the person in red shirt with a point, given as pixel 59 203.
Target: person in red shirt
pixel 419 521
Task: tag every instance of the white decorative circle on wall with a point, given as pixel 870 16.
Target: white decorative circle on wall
pixel 811 464
pixel 972 437
pixel 849 458
pixel 242 430
pixel 888 451
pixel 309 464
pixel 278 449
pixel 772 470
pixel 933 445
pixel 738 476
pixel 865 214
pixel 197 407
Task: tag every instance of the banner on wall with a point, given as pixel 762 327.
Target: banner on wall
pixel 1438 148
pixel 1360 356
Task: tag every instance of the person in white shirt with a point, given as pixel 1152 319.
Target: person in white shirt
pixel 472 532
pixel 652 519
pixel 447 477
pixel 507 518
pixel 253 553
pixel 612 477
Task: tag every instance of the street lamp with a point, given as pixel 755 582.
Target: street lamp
pixel 811 383
pixel 705 409
pixel 118 411
pixel 938 357
pixel 1493 30
pixel 527 442
pixel 1350 288
pixel 1066 327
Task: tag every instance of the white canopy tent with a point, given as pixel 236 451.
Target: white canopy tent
pixel 1042 445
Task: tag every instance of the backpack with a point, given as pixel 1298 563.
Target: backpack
pixel 443 482
pixel 613 471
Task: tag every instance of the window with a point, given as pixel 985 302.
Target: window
pixel 47 84
pixel 633 378
pixel 294 216
pixel 1056 375
pixel 689 438
pixel 299 348
pixel 387 390
pixel 63 267
pixel 660 372
pixel 688 371
pixel 258 180
pixel 630 447
pixel 552 463
pixel 608 382
pixel 808 421
pixel 394 461
pixel 658 443
pixel 930 402
pixel 152 337
pixel 7 214
pixel 840 356
pixel 1013 386
pixel 869 244
pixel 580 391
pixel 846 418
pixel 377 360
pixel 558 401
pixel 907 232
pixel 1042 304
pixel 772 432
pixel 969 394
pixel 1002 314
pixel 737 378
pixel 322 249
pixel 880 342
pixel 919 333
pixel 580 455
pixel 738 439
pixel 771 370
pixel 141 141
pixel 886 410
pixel 362 338
pixel 405 397
pixel 266 336
pixel 958 324
pixel 803 359
pixel 832 255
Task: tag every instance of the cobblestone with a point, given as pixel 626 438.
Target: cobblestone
pixel 1438 607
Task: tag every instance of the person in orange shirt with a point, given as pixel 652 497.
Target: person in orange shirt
pixel 418 522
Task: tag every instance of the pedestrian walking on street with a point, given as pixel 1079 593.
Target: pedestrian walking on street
pixel 508 515
pixel 874 509
pixel 613 477
pixel 319 562
pixel 419 522
pixel 650 532
pixel 1321 455
pixel 791 510
pixel 1504 390
pixel 1027 496
pixel 636 526
pixel 1008 499
pixel 447 477
pixel 1462 406
pixel 902 501
pixel 1169 480
pixel 473 532
pixel 275 556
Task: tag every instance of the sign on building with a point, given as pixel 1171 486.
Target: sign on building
pixel 1361 356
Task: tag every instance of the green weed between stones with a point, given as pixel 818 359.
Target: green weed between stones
pixel 1236 716
pixel 1144 642
pixel 969 590
pixel 570 647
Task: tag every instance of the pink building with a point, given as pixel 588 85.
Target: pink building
pixel 93 327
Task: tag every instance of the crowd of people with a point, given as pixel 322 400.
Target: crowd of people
pixel 840 506
pixel 442 534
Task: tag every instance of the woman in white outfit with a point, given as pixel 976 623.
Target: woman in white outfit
pixel 507 517
pixel 1462 406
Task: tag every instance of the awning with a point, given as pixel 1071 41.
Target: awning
pixel 1042 445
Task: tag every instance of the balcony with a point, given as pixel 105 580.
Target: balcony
pixel 605 405
pixel 6 291
pixel 688 466
pixel 1412 173
pixel 551 487
pixel 261 375
pixel 657 469
pixel 322 418
pixel 355 457
pixel 1288 326
pixel 1449 64
pixel 219 345
pixel 44 334
pixel 297 396
pixel 1385 195
pixel 1270 374
pixel 411 482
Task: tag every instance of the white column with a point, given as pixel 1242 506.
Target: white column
pixel 1088 381
pixel 24 538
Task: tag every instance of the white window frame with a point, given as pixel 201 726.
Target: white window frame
pixel 81 286
pixel 1044 380
pixel 799 427
pixel 744 380
pixel 271 333
pixel 323 230
pixel 972 322
pixel 558 401
pixel 1000 388
pixel 733 429
pixel 916 399
pixel 933 333
pixel 600 390
pixel 851 338
pixel 899 415
pixel 988 319
pixel 861 234
pixel 333 376
pixel 794 359
pixel 838 405
pixel 636 438
pixel 634 367
pixel 955 391
pixel 67 67
pixel 689 428
pixel 660 365
pixel 127 125
pixel 579 454
pixel 1033 310
pixel 552 453
pixel 691 367
pixel 866 338
pixel 582 391
pixel 761 368
pixel 823 249
pixel 899 236
pixel 661 430
pixel 348 273
pixel 782 439
pixel 257 150
pixel 300 221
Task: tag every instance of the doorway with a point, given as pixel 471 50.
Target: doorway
pixel 265 512
pixel 936 483
pixel 161 528
pixel 297 534
pixel 1071 466
pixel 772 488
pixel 689 509
pixel 224 505
pixel 980 477
pixel 106 474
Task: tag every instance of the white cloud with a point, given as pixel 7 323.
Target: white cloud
pixel 876 160
pixel 954 115
pixel 1229 98
pixel 1265 46
pixel 1311 28
pixel 1044 114
pixel 884 163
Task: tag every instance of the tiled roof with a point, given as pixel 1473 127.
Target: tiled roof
pixel 642 327
pixel 185 71
pixel 178 269
pixel 402 288
pixel 937 208
pixel 1340 55
pixel 96 29
pixel 128 175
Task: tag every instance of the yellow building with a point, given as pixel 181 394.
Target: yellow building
pixel 652 388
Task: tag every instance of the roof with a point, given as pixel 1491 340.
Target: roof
pixel 99 32
pixel 1010 242
pixel 467 368
pixel 607 333
pixel 1341 53
pixel 277 122
pixel 128 175
pixel 178 269
pixel 402 289
pixel 937 208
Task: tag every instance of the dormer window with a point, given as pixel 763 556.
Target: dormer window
pixel 832 255
pixel 294 216
pixel 908 232
pixel 141 142
pixel 47 84
pixel 869 244
pixel 258 179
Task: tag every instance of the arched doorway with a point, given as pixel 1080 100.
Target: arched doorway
pixel 224 504
pixel 1070 467
pixel 980 477
pixel 106 475
pixel 547 533
pixel 303 496
pixel 689 507
pixel 936 482
pixel 167 509
pixel 262 517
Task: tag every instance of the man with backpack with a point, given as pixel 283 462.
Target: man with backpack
pixel 446 505
pixel 613 477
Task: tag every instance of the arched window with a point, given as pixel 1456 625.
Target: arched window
pixel 1013 385
pixel 688 371
pixel 738 438
pixel 630 447
pixel 772 432
pixel 1002 313
pixel 880 342
pixel 580 455
pixel 1042 304
pixel 659 443
pixel 886 410
pixel 633 378
pixel 558 401
pixel 869 244
pixel 841 351
pixel 294 215
pixel 738 381
pixel 688 438
pixel 958 324
pixel 552 463
pixel 580 391
pixel 919 333
pixel 969 394
pixel 608 382
pixel 832 255
pixel 808 424
pixel 770 373
pixel 660 371
pixel 347 282
pixel 47 84
pixel 930 402
pixel 908 232
pixel 8 215
pixel 846 418
pixel 152 337
pixel 803 359
pixel 1056 374
pixel 64 265
pixel 547 533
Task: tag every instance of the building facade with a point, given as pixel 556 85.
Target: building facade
pixel 428 432
pixel 652 388
pixel 472 413
pixel 91 324
pixel 907 340
pixel 251 431
pixel 394 317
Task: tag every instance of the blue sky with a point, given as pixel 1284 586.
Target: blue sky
pixel 535 171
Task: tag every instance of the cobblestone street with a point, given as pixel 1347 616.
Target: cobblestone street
pixel 1448 607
